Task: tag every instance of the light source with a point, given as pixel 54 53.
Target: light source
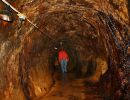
pixel 6 16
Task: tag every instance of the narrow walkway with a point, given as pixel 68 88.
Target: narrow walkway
pixel 69 87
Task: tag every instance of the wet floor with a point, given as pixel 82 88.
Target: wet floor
pixel 69 87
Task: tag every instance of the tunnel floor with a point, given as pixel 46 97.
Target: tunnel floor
pixel 69 87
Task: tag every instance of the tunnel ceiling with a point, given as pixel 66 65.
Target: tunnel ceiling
pixel 71 19
pixel 76 24
pixel 68 18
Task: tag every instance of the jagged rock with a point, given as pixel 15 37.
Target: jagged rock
pixel 25 52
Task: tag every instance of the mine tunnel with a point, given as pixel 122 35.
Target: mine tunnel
pixel 94 34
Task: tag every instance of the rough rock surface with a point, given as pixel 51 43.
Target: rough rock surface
pixel 25 52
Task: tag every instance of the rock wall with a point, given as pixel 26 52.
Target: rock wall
pixel 19 80
pixel 24 51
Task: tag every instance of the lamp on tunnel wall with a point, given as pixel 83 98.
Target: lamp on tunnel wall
pixel 55 48
pixel 6 16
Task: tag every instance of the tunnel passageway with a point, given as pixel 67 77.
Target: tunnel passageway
pixel 73 88
pixel 94 33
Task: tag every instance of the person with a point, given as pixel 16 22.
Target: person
pixel 63 60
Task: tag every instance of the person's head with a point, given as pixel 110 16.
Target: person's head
pixel 61 46
pixel 61 43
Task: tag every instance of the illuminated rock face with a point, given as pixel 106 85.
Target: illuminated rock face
pixel 25 68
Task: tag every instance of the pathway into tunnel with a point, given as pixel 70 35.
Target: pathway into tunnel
pixel 76 83
pixel 79 82
pixel 72 88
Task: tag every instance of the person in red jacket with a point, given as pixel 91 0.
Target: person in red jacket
pixel 63 60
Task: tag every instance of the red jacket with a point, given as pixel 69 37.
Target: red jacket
pixel 63 55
